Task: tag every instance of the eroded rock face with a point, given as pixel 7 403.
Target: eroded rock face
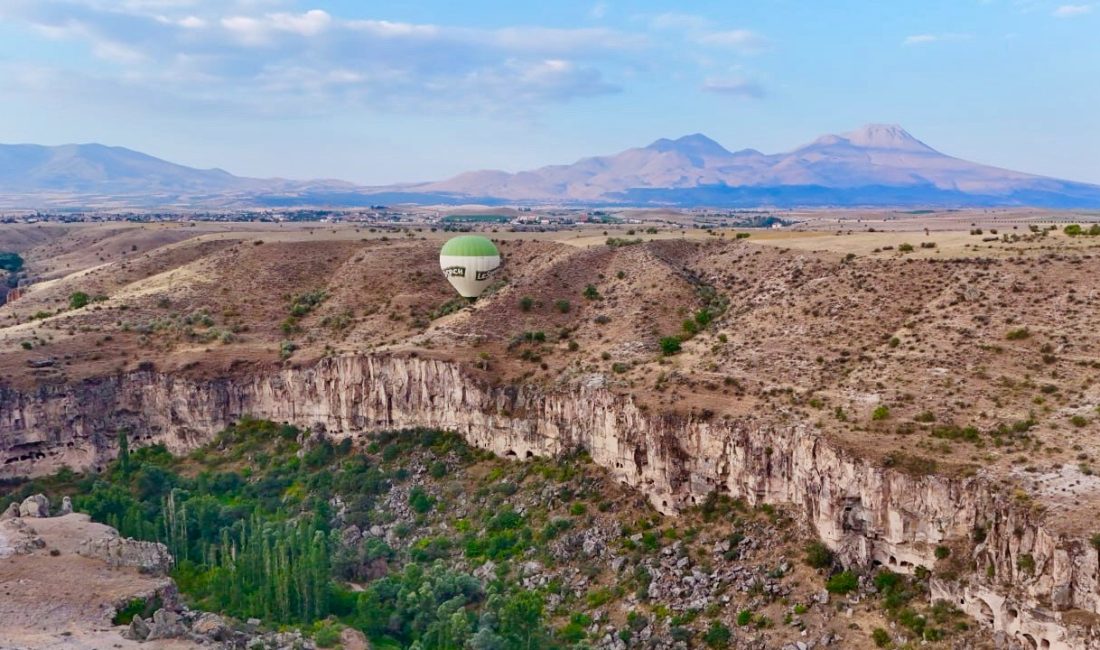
pixel 868 514
pixel 148 557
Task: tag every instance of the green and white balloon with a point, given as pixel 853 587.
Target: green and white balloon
pixel 468 261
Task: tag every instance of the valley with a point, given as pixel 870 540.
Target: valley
pixel 921 401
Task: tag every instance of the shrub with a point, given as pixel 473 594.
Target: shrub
pixel 717 635
pixel 881 412
pixel 887 581
pixel 818 555
pixel 1026 563
pixel 1018 334
pixel 744 617
pixel 1073 230
pixel 670 345
pixel 420 501
pixel 78 299
pixel 905 248
pixel 438 470
pixel 136 607
pixel 591 293
pixel 563 306
pixel 881 637
pixel 1078 420
pixel 942 552
pixel 526 303
pixel 842 583
pixel 328 636
pixel 304 303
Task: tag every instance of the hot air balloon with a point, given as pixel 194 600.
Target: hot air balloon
pixel 468 261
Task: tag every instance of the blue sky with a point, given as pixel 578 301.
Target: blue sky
pixel 382 91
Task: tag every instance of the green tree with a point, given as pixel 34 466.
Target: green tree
pixel 842 583
pixel 11 262
pixel 123 452
pixel 521 621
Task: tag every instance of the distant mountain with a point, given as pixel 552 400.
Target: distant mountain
pixel 101 169
pixel 98 175
pixel 877 165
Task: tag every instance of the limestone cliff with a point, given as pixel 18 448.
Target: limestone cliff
pixel 1015 575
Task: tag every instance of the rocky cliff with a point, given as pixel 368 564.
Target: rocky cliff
pixel 1006 569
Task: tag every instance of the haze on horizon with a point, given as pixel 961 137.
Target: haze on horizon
pixel 392 93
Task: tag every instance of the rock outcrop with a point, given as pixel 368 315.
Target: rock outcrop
pixel 1026 580
pixel 18 538
pixel 148 557
pixel 35 506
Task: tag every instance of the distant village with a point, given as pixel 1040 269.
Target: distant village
pixel 466 218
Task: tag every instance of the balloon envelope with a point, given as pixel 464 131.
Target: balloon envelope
pixel 468 261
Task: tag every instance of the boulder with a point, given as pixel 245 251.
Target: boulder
pixel 35 506
pixel 12 512
pixel 166 625
pixel 353 639
pixel 66 506
pixel 137 631
pixel 211 625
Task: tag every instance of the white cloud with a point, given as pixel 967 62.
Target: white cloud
pixel 736 87
pixel 740 39
pixel 925 39
pixel 192 22
pixel 252 53
pixel 1069 11
pixel 276 57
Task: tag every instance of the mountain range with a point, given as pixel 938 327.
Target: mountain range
pixel 876 165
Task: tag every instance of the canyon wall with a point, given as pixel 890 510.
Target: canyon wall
pixel 1034 587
